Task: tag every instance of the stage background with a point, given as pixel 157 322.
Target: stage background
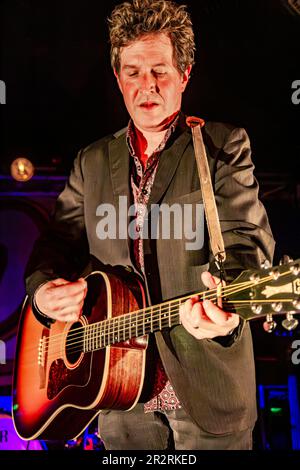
pixel 61 95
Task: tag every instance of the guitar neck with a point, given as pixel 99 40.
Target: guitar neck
pixel 252 295
pixel 131 325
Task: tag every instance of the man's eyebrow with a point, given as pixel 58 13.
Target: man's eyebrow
pixel 129 66
pixel 132 66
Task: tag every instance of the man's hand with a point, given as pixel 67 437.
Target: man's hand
pixel 205 319
pixel 61 300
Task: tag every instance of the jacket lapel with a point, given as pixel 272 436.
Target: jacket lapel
pixel 119 167
pixel 119 170
pixel 168 163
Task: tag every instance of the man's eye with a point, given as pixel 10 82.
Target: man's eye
pixel 132 74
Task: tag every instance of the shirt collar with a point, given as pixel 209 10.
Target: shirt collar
pixel 130 136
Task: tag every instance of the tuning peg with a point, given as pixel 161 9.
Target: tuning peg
pixel 296 303
pixel 285 260
pixel 256 308
pixel 276 306
pixel 269 325
pixel 265 264
pixel 290 323
pixel 295 269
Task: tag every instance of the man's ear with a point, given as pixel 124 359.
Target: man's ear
pixel 185 77
pixel 118 79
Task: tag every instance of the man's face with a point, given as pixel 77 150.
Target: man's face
pixel 151 84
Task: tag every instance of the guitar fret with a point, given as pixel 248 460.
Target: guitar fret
pixel 124 327
pixel 151 319
pixel 144 311
pixel 136 324
pixel 119 329
pixel 106 331
pixel 100 337
pixel 159 317
pixel 84 340
pixel 121 322
pixel 87 338
pixel 92 338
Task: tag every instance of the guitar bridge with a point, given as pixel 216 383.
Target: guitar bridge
pixel 42 356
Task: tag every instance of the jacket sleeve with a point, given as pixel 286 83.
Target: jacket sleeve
pixel 244 223
pixel 62 249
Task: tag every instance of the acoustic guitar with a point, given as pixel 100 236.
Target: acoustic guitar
pixel 65 375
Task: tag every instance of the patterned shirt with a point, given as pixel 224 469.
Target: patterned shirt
pixel 143 172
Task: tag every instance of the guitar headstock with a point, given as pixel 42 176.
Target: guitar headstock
pixel 268 291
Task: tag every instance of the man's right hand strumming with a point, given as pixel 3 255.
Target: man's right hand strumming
pixel 60 299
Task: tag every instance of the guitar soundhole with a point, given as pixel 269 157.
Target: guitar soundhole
pixel 74 343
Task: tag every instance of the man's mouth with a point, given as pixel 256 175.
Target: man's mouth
pixel 148 105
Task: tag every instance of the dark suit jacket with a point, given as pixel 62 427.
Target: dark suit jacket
pixel 215 384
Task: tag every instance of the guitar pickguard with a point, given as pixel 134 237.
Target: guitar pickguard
pixel 61 376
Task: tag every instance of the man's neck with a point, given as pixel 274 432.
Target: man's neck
pixel 153 140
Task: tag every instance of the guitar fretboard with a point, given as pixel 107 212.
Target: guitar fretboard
pixel 131 325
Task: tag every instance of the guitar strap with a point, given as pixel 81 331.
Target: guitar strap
pixel 210 207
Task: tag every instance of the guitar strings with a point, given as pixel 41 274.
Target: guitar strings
pixel 233 288
pixel 207 295
pixel 77 346
pixel 107 332
pixel 95 338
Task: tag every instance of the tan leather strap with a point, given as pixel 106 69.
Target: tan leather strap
pixel 210 208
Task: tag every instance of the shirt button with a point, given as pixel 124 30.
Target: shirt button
pixel 144 191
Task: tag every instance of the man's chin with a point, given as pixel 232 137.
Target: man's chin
pixel 151 124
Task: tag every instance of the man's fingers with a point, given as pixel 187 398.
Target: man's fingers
pixel 208 280
pixel 218 316
pixel 69 317
pixel 72 311
pixel 59 282
pixel 191 312
pixel 68 289
pixel 71 301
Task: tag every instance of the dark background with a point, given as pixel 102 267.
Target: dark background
pixel 62 95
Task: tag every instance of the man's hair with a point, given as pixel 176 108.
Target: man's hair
pixel 130 21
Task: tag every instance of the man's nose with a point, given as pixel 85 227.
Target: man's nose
pixel 148 82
